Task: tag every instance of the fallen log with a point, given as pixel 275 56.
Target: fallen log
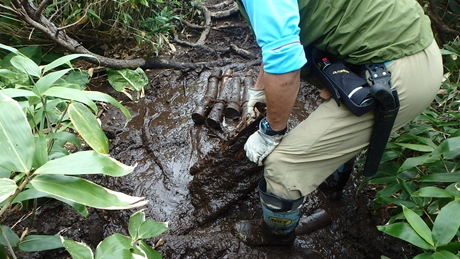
pixel 203 108
pixel 216 114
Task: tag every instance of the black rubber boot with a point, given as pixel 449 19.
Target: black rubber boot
pixel 281 217
pixel 333 186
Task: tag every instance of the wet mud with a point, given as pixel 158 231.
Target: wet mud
pixel 198 179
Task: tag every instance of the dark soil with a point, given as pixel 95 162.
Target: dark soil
pixel 199 180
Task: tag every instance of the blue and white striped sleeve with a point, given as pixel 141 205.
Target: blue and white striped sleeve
pixel 276 27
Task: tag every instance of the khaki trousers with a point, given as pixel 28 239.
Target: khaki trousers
pixel 332 135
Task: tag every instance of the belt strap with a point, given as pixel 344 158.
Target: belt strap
pixel 385 115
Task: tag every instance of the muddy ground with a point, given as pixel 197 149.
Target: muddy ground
pixel 199 180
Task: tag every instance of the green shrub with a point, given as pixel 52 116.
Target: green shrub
pixel 44 108
pixel 419 176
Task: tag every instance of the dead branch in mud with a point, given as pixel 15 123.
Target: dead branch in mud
pixel 32 15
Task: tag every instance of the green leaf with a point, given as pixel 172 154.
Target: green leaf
pixel 150 252
pixel 64 60
pixel 447 146
pixel 431 191
pixel 13 93
pixel 115 246
pixel 404 231
pixel 35 243
pixel 7 188
pixel 65 136
pixel 16 139
pixel 4 173
pixel 413 161
pixel 13 239
pixel 424 256
pixel 71 94
pixel 89 128
pixel 11 49
pixel 124 79
pixel 135 222
pixel 85 192
pixel 78 250
pixel 441 178
pixel 444 255
pixel 447 223
pixel 85 162
pixel 416 147
pixel 151 228
pixel 26 65
pixel 418 225
pixel 102 97
pixel 47 81
pixel 41 151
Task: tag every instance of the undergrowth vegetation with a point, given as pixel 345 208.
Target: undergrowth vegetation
pixel 419 176
pixel 45 110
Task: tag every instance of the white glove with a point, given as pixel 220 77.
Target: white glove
pixel 259 145
pixel 255 96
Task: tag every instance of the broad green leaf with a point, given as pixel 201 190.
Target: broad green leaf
pixel 4 173
pixel 453 247
pixel 78 250
pixel 32 52
pixel 11 49
pixel 124 79
pixel 404 231
pixel 150 252
pixel 102 97
pixel 7 188
pixel 64 60
pixel 418 225
pixel 85 162
pixel 13 239
pixel 26 65
pixel 31 193
pixel 3 253
pixel 431 191
pixel 413 161
pixel 447 223
pixel 441 178
pixel 41 151
pixel 89 128
pixel 115 246
pixel 16 139
pixel 71 94
pixel 151 228
pixel 424 256
pixel 448 145
pixel 444 255
pixel 65 136
pixel 85 192
pixel 416 147
pixel 47 81
pixel 35 243
pixel 13 93
pixel 135 222
pixel 80 78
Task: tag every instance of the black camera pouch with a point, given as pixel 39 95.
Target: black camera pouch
pixel 344 85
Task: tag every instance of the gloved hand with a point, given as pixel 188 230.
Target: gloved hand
pixel 255 96
pixel 259 145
